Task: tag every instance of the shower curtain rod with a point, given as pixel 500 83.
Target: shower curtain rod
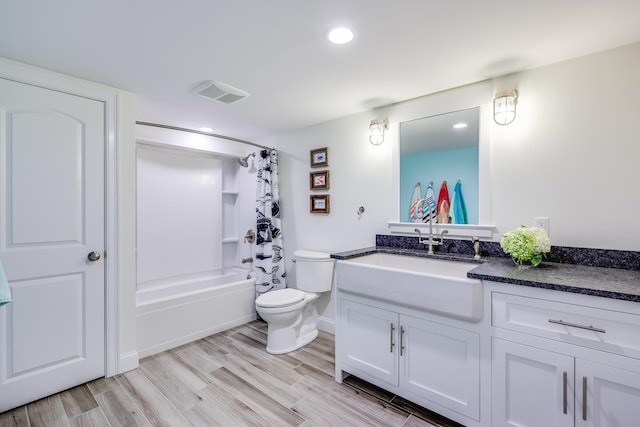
pixel 158 125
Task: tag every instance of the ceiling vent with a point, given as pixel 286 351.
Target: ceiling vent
pixel 220 92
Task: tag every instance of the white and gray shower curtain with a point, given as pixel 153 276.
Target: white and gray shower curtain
pixel 269 262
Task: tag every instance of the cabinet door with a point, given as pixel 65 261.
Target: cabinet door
pixel 531 387
pixel 612 395
pixel 441 364
pixel 369 339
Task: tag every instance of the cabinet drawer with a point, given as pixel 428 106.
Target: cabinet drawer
pixel 601 329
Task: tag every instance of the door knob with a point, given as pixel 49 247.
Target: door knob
pixel 93 256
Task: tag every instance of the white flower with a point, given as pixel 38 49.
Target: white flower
pixel 542 241
pixel 526 244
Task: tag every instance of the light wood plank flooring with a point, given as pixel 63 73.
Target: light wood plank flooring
pixel 227 379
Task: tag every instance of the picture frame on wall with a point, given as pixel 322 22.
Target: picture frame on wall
pixel 319 203
pixel 319 158
pixel 319 180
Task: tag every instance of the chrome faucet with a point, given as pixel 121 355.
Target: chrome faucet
pixel 429 242
pixel 442 233
pixel 476 247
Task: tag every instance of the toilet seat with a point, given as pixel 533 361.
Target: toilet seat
pixel 280 298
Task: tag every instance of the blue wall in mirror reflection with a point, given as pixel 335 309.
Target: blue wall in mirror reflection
pixel 438 166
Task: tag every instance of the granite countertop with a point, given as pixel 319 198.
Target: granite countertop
pixel 597 281
pixel 403 251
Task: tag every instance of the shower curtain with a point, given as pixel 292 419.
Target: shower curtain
pixel 269 262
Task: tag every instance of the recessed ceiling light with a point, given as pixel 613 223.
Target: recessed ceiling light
pixel 340 35
pixel 460 125
pixel 205 129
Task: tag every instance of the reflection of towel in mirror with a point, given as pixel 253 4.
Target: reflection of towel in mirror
pixel 415 212
pixel 452 211
pixel 430 200
pixel 443 204
pixel 5 292
pixel 458 211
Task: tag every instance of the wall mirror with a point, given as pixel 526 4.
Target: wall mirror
pixel 429 149
pixel 441 153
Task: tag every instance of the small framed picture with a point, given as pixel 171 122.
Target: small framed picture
pixel 319 158
pixel 319 180
pixel 319 204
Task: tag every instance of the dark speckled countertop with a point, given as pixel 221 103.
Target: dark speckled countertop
pixel 598 281
pixel 403 251
pixel 616 283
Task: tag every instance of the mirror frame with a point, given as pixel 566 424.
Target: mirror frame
pixel 457 99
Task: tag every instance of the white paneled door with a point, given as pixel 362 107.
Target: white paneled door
pixel 52 203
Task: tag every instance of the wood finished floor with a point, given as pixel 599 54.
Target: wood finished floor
pixel 227 379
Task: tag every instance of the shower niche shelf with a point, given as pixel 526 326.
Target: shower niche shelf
pixel 234 205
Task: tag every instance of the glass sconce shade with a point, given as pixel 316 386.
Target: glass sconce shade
pixel 504 107
pixel 376 131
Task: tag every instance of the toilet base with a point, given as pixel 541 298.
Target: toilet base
pixel 300 342
pixel 291 327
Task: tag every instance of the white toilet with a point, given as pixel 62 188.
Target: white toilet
pixel 290 313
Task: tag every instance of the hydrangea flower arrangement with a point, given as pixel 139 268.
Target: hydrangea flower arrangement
pixel 526 244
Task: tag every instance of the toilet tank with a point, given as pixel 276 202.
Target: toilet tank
pixel 314 271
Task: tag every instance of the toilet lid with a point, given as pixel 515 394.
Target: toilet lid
pixel 280 298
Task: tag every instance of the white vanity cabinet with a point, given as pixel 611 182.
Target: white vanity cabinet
pixel 528 357
pixel 530 386
pixel 441 363
pixel 412 355
pixel 568 361
pixel 608 396
pixel 368 339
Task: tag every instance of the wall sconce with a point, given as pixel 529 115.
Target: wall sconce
pixel 376 131
pixel 504 107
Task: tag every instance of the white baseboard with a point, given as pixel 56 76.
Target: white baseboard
pixel 327 325
pixel 128 362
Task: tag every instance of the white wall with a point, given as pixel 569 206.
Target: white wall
pixel 126 225
pixel 572 155
pixel 573 152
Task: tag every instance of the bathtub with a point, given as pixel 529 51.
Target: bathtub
pixel 182 311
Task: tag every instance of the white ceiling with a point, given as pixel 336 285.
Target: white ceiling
pixel 277 50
